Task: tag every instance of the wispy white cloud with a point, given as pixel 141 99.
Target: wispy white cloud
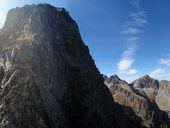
pixel 136 24
pixel 133 27
pixel 157 71
pixel 131 30
pixel 129 52
pixel 138 19
pixel 125 64
pixel 165 61
pixel 132 40
pixel 129 72
pixel 132 71
pixel 160 73
pixel 139 14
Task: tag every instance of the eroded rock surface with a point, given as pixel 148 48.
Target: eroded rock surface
pixel 163 96
pixel 138 102
pixel 48 78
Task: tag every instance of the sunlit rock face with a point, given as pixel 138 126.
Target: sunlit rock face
pixel 157 91
pixel 139 100
pixel 146 82
pixel 163 97
pixel 48 78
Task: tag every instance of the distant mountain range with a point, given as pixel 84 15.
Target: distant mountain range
pixel 146 101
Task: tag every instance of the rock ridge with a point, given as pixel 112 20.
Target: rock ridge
pixel 48 77
pixel 144 101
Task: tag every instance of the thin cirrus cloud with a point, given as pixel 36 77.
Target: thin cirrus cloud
pixel 160 73
pixel 137 22
pixel 132 29
pixel 156 72
pixel 165 61
pixel 138 18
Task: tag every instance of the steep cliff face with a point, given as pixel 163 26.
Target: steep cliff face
pixel 157 91
pixel 163 96
pixel 137 103
pixel 48 78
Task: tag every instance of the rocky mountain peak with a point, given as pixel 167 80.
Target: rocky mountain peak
pixel 37 21
pixel 146 77
pixel 48 78
pixel 146 82
pixel 41 14
pixel 115 77
pixel 143 102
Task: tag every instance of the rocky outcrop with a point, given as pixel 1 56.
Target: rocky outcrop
pixel 146 82
pixel 137 102
pixel 148 86
pixel 163 96
pixel 157 91
pixel 48 78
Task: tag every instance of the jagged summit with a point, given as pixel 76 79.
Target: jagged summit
pixel 114 77
pixel 146 82
pixel 32 20
pixel 19 14
pixel 145 104
pixel 146 77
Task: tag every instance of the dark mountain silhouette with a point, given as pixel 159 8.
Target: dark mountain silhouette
pixel 48 78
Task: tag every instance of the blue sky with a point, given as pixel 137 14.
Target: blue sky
pixel 129 38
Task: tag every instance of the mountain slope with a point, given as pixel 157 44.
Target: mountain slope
pixel 48 78
pixel 142 107
pixel 163 96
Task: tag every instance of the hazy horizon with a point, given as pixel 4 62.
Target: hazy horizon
pixel 127 38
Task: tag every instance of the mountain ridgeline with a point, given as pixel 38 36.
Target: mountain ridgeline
pixel 49 80
pixel 145 101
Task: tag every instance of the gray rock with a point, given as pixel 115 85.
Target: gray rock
pixel 137 103
pixel 163 96
pixel 146 82
pixel 48 78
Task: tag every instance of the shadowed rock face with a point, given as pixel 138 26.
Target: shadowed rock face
pixel 139 102
pixel 48 78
